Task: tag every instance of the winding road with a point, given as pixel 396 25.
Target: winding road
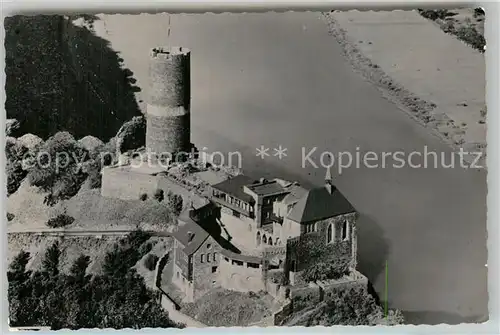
pixel 279 79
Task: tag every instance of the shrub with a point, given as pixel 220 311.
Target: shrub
pixel 350 307
pixel 434 14
pixel 175 202
pixel 471 36
pixel 145 248
pixel 59 221
pixel 150 262
pixel 159 195
pixel 143 197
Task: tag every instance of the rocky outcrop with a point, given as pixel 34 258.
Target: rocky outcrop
pixel 132 135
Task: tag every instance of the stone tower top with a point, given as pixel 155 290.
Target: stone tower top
pixel 166 52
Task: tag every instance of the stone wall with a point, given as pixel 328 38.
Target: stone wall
pixel 206 261
pixel 308 295
pixel 310 248
pixel 242 231
pixel 239 277
pixel 305 295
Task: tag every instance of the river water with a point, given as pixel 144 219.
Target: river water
pixel 279 79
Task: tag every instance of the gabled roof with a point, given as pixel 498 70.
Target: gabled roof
pixel 234 187
pixel 297 192
pixel 190 234
pixel 267 188
pixel 319 204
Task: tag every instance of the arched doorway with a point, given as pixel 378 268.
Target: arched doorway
pixel 264 239
pixel 270 241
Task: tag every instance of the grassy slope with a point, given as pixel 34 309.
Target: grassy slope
pixel 224 308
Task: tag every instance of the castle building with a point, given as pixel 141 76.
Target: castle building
pixel 244 231
pixel 254 227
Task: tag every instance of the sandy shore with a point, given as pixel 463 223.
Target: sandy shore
pixel 435 78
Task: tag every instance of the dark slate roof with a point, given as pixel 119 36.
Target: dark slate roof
pixel 188 226
pixel 234 187
pixel 182 234
pixel 318 204
pixel 267 188
pixel 296 192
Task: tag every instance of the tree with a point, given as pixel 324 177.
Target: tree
pixel 116 299
pixel 19 292
pixel 79 267
pixel 57 169
pixel 50 262
pixel 175 202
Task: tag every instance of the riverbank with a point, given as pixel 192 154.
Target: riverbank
pixel 421 69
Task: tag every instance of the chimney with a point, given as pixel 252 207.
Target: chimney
pixel 328 181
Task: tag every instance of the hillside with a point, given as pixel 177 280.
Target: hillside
pixel 63 77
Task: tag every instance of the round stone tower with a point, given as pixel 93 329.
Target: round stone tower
pixel 168 117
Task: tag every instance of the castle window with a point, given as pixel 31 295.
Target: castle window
pixel 264 239
pixel 203 258
pixel 330 234
pixel 270 241
pixel 209 246
pixel 214 255
pixel 258 238
pixel 208 258
pixel 214 269
pixel 177 274
pixel 345 232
